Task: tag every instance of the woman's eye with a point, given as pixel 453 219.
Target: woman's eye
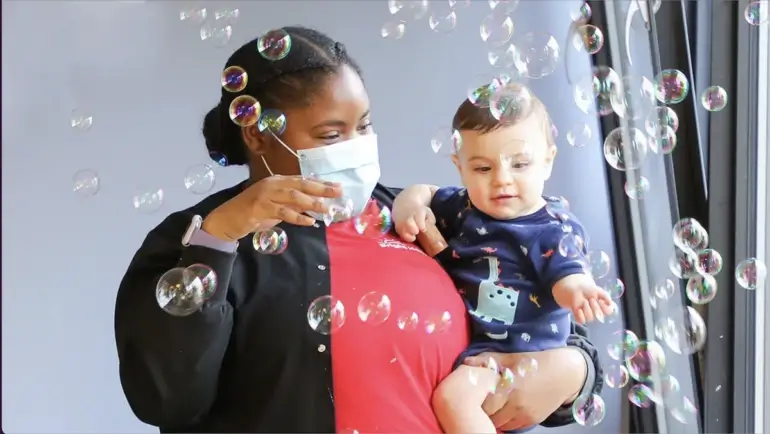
pixel 365 126
pixel 482 169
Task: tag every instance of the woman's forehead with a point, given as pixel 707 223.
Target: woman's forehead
pixel 342 98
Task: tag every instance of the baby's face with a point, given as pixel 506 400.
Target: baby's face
pixel 505 170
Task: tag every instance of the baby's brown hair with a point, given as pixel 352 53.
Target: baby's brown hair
pixel 478 117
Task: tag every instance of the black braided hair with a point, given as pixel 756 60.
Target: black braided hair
pixel 280 84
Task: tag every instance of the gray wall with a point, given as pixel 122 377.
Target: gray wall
pixel 148 80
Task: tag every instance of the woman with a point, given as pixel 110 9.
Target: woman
pixel 248 361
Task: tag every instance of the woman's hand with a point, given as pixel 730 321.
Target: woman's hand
pixel 558 380
pixel 267 203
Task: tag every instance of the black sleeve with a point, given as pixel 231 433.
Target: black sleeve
pixel 594 377
pixel 169 365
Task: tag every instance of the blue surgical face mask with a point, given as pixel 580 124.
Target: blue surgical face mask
pixel 354 164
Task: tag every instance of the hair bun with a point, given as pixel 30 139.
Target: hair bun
pixel 221 137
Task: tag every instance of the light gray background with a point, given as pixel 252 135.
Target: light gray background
pixel 148 79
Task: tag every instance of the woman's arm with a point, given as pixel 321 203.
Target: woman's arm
pixel 169 365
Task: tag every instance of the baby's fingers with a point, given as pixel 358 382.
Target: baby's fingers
pixel 606 304
pixel 408 230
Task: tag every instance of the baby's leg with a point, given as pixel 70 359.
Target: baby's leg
pixel 457 400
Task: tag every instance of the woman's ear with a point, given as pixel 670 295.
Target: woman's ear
pixel 254 140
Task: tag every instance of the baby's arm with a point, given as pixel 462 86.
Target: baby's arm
pixel 420 204
pixel 565 275
pixel 580 294
pixel 411 211
pixel 458 398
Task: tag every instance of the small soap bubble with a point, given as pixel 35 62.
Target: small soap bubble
pixel 85 183
pixel 582 15
pixel 203 276
pixel 589 410
pixel 272 121
pixel 701 289
pixel 374 222
pixel 580 135
pixel 616 376
pixel 671 86
pixel 234 79
pixel 757 12
pixel 689 235
pixel 664 140
pixel 637 98
pixel 501 57
pixel 661 117
pixel 684 331
pixel 496 28
pixel 571 245
pixel 482 88
pixel 326 315
pixel 640 395
pixel 80 120
pixel 537 54
pixel 446 141
pixel 683 264
pixel 714 98
pixel 374 308
pixel 649 358
pixel 637 188
pixel 338 211
pixel 507 6
pixel 438 322
pixel 443 18
pixel 664 289
pixel 245 110
pixel 271 241
pixel 600 91
pixel 625 149
pixel 408 321
pixel 409 10
pixel 196 15
pixel 393 30
pixel 179 295
pixel 709 262
pixel 588 39
pixel 148 201
pixel 274 45
pixel 624 345
pixel 227 14
pixel 219 158
pixel 510 103
pixel 751 274
pixel 598 263
pixel 526 367
pixel 557 207
pixel 216 33
pixel 615 288
pixel 199 179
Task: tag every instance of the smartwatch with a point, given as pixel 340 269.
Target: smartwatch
pixel 195 236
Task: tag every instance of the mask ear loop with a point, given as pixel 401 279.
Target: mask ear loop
pixel 264 161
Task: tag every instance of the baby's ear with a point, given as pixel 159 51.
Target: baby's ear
pixel 456 161
pixel 549 157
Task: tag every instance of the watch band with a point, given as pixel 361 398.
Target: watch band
pixel 195 236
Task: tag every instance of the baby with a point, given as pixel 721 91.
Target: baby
pixel 504 253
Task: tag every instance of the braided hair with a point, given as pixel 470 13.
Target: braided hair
pixel 285 83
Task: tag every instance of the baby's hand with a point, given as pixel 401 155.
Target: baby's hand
pixel 410 220
pixel 583 297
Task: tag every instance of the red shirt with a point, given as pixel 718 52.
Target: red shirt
pixel 400 360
